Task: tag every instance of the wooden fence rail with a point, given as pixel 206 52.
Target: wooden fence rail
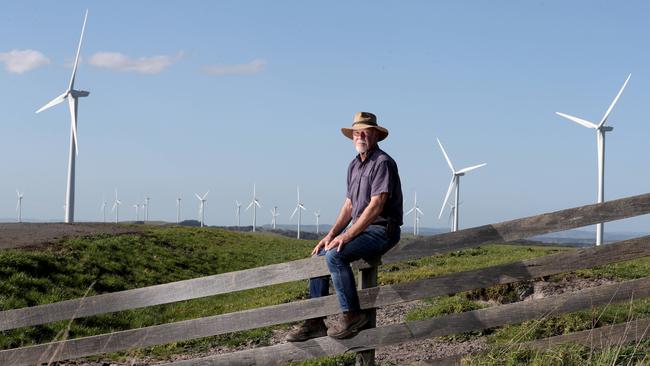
pixel 440 326
pixel 369 298
pixel 313 267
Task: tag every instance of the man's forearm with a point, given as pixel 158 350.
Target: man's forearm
pixel 342 221
pixel 367 217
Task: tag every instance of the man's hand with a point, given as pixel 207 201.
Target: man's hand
pixel 338 242
pixel 323 243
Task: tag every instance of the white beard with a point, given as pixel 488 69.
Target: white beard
pixel 361 148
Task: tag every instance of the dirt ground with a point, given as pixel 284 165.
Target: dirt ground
pixel 17 235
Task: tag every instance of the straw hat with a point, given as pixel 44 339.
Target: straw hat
pixel 365 120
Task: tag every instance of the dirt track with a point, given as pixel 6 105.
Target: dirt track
pixel 15 235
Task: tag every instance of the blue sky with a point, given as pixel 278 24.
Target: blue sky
pixel 196 96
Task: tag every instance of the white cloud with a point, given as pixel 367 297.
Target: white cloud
pixel 143 65
pixel 21 61
pixel 250 68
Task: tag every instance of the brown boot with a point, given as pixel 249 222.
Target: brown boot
pixel 349 325
pixel 310 328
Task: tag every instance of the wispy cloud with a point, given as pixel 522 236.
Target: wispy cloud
pixel 144 65
pixel 21 61
pixel 250 68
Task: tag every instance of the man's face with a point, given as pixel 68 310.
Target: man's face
pixel 364 139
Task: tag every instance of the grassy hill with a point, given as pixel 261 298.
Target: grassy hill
pixel 71 268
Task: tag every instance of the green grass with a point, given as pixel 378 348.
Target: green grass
pixel 102 264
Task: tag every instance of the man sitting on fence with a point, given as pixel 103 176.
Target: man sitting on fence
pixel 374 206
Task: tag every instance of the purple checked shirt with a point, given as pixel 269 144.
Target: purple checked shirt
pixel 377 174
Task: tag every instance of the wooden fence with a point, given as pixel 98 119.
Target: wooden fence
pixel 370 298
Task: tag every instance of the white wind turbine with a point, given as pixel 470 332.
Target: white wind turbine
pixel 178 210
pixel 116 207
pixel 255 203
pixel 274 215
pixel 299 206
pixel 137 212
pixel 237 212
pixel 455 183
pixel 19 205
pixel 202 206
pixel 317 214
pixel 72 95
pixel 146 209
pixel 103 209
pixel 416 215
pixel 601 129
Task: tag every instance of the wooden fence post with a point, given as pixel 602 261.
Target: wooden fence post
pixel 368 279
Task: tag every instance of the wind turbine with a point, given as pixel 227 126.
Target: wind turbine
pixel 72 95
pixel 601 129
pixel 416 215
pixel 237 212
pixel 146 209
pixel 255 203
pixel 116 207
pixel 103 209
pixel 299 206
pixel 455 183
pixel 19 206
pixel 137 212
pixel 178 210
pixel 274 215
pixel 317 214
pixel 202 206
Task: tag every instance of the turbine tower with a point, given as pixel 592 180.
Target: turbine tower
pixel 72 95
pixel 255 203
pixel 601 129
pixel 237 212
pixel 146 209
pixel 299 206
pixel 19 206
pixel 116 207
pixel 103 209
pixel 455 183
pixel 137 212
pixel 202 206
pixel 317 214
pixel 416 215
pixel 274 215
pixel 178 210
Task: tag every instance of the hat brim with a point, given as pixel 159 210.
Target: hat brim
pixel 347 131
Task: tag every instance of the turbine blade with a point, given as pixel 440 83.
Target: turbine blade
pixel 409 211
pixel 294 212
pixel 197 196
pixel 205 195
pixel 611 106
pixel 76 59
pixel 53 102
pixel 249 206
pixel 471 168
pixel 418 210
pixel 451 186
pixel 257 204
pixel 446 157
pixel 72 102
pixel 577 120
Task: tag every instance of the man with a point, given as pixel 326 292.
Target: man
pixel 373 205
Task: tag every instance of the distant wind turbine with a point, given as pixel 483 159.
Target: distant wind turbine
pixel 237 212
pixel 19 205
pixel 137 212
pixel 178 210
pixel 455 183
pixel 274 215
pixel 254 203
pixel 299 206
pixel 103 209
pixel 601 129
pixel 146 209
pixel 202 206
pixel 317 214
pixel 416 215
pixel 72 95
pixel 116 207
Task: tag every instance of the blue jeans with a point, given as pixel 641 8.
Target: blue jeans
pixel 371 243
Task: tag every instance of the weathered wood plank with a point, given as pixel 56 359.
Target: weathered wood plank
pixel 450 324
pixel 313 267
pixel 369 298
